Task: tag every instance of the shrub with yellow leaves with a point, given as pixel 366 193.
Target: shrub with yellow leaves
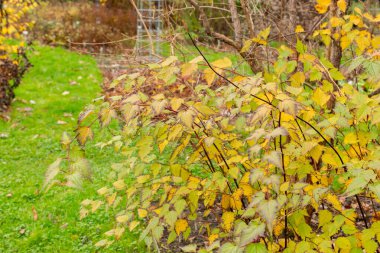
pixel 281 161
pixel 13 61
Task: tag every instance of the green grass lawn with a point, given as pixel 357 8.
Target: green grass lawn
pixel 60 83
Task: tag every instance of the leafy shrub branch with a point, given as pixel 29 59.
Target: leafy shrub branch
pixel 286 160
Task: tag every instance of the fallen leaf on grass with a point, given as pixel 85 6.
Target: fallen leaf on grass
pixel 61 122
pixel 4 135
pixel 25 109
pixel 35 214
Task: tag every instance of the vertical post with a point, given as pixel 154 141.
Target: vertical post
pixel 149 25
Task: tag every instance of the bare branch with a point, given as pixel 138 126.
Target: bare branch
pixel 248 17
pixel 206 24
pixel 236 22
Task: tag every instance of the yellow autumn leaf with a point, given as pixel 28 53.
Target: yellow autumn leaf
pixel 297 79
pixel 122 218
pixel 119 232
pixel 225 201
pixel 175 103
pixel 162 145
pixel 247 190
pixel 235 201
pixel 212 238
pixel 187 118
pixel 133 225
pixel 278 228
pixel 319 97
pixel 181 226
pixel 228 219
pixel 335 21
pixel 265 33
pixel 83 134
pixel 119 185
pixel 334 201
pixel 299 29
pixel 222 63
pixel 209 76
pixel 142 213
pixel 111 198
pixel 342 5
pixel 284 187
pixel 350 138
pixel 345 42
pixel 106 115
pixel 322 6
pixel 188 69
pixel 330 159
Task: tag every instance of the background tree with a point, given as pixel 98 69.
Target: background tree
pixel 247 18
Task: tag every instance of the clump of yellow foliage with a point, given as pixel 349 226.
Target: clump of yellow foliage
pixel 13 24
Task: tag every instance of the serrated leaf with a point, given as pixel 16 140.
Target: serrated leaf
pixel 229 248
pixel 256 248
pixel 187 118
pixel 65 141
pixel 106 115
pixel 350 138
pixel 274 158
pixel 268 210
pixel 179 206
pixel 84 114
pixel 252 233
pixel 83 134
pixel 189 248
pixel 319 97
pixel 52 172
pixel 297 79
pixel 171 218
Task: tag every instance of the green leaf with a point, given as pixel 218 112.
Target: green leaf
pixel 304 230
pixel 343 243
pixel 335 73
pixel 297 79
pixel 179 206
pixel 300 47
pixel 251 233
pixel 189 248
pixel 256 248
pixel 172 236
pixel 229 248
pixel 324 216
pixel 268 210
